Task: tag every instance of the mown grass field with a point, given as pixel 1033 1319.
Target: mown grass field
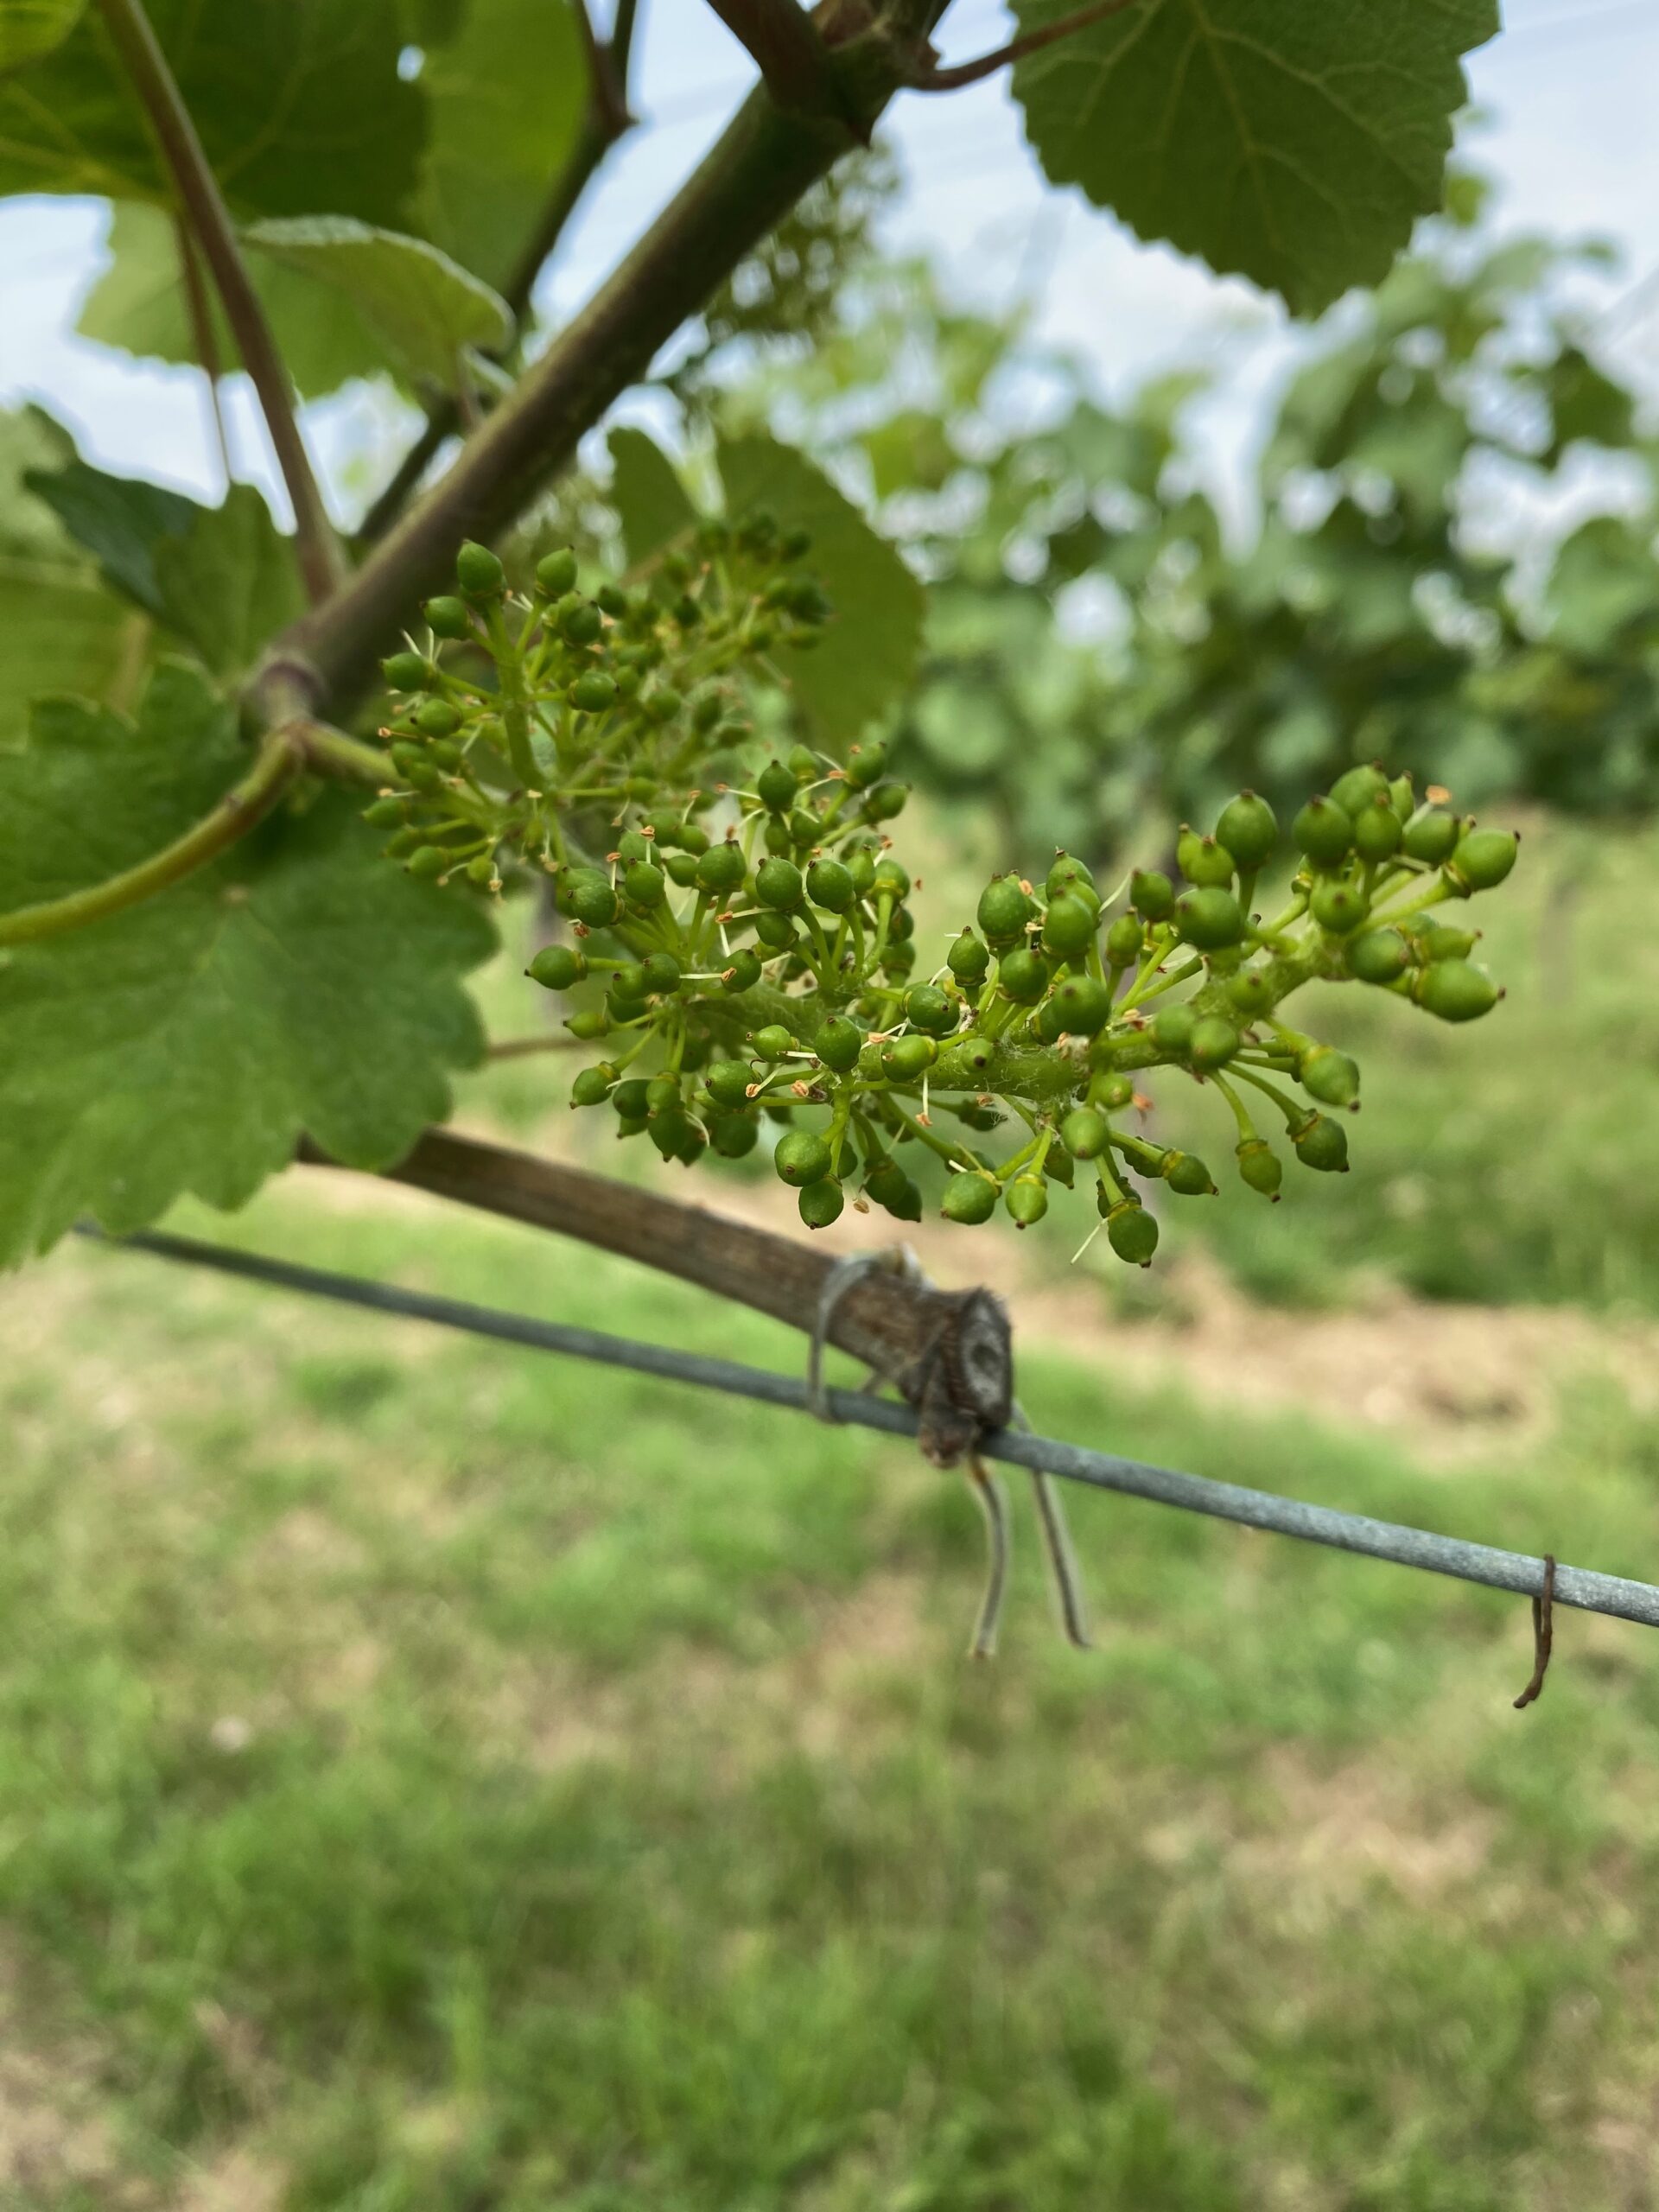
pixel 436 1778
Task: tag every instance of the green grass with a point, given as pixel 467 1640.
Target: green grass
pixel 438 1778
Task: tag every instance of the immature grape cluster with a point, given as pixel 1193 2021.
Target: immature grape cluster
pixel 743 942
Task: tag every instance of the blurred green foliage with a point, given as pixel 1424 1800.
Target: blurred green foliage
pixel 1386 603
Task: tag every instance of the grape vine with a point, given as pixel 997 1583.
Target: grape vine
pixel 744 947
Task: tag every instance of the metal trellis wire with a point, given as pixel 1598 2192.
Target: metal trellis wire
pixel 1524 1575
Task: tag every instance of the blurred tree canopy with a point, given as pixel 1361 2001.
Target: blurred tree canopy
pixel 1403 593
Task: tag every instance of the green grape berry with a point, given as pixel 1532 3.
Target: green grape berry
pixel 929 1009
pixel 1124 941
pixel 1328 1075
pixel 662 972
pixel 777 884
pixel 1132 1232
pixel 1323 830
pixel 1082 1006
pixel 1321 1144
pixel 1376 830
pixel 1085 1133
pixel 721 869
pixel 1205 864
pixel 1251 991
pixel 1338 906
pixel 742 972
pixel 733 1136
pixel 436 718
pixel 1027 1200
pixel 1259 1166
pixel 1431 838
pixel 727 1083
pixel 865 763
pixel 776 785
pixel 407 671
pixel 1378 956
pixel 821 1202
pixel 384 813
pixel 594 691
pixel 970 1198
pixel 802 1157
pixel 1451 990
pixel 1173 1027
pixel 1358 788
pixel 592 1087
pixel 1023 976
pixel 1152 895
pixel 838 1045
pixel 968 959
pixel 829 885
pixel 1443 941
pixel 479 573
pixel 908 1059
pixel 1187 1176
pixel 1213 1042
pixel 645 887
pixel 556 967
pixel 1209 918
pixel 448 618
pixel 1065 874
pixel 1005 909
pixel 428 862
pixel 1248 829
pixel 1483 858
pixel 556 573
pixel 773 1041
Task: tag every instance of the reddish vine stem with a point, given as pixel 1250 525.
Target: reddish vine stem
pixel 202 209
pixel 953 79
pixel 203 338
pixel 786 46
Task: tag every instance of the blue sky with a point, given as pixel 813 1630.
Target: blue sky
pixel 1568 93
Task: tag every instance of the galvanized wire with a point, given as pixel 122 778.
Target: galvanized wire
pixel 1254 1508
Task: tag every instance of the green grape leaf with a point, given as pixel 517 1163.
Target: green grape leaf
pixel 299 984
pixel 119 519
pixel 229 582
pixel 1294 141
pixel 1586 403
pixel 872 643
pixel 651 502
pixel 298 103
pixel 506 96
pixel 30 28
pixel 426 307
pixel 138 305
pixel 65 631
pixel 221 579
pixel 1604 579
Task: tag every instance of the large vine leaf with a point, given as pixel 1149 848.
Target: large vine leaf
pixel 138 305
pixel 506 91
pixel 651 502
pixel 220 579
pixel 870 647
pixel 299 104
pixel 426 309
pixel 300 984
pixel 63 629
pixel 30 28
pixel 1294 141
